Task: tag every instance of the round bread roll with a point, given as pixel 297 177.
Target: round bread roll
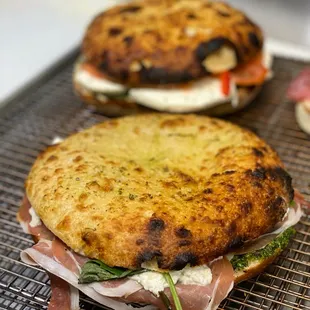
pixel 170 41
pixel 181 189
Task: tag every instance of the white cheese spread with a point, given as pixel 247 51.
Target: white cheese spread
pixel 155 282
pixel 35 220
pixel 199 95
pixel 98 84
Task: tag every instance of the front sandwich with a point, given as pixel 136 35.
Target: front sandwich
pixel 156 209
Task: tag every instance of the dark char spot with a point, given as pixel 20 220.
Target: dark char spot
pixel 139 241
pixel 156 225
pixel 257 152
pixel 235 243
pixel 204 49
pixel 254 40
pixel 147 255
pixel 246 207
pixel 128 40
pixel 230 187
pixel 257 184
pixel 162 76
pixel 183 232
pixel 115 31
pixel 232 228
pixel 182 259
pixel 191 16
pixel 208 191
pixel 278 173
pixel 184 243
pixel 224 14
pixel 229 172
pixel 259 173
pixel 131 9
pixel 277 203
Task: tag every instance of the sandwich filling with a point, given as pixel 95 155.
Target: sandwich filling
pixel 193 96
pixel 193 287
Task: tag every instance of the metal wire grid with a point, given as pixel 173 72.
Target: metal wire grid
pixel 50 108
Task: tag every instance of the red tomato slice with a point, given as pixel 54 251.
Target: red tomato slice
pixel 251 73
pixel 225 82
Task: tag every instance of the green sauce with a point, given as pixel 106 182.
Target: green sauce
pixel 240 262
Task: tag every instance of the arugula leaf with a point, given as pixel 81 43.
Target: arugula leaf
pixel 97 271
pixel 173 291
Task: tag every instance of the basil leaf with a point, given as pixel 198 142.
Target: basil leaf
pixel 173 291
pixel 97 271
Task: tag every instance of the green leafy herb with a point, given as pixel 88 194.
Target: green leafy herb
pixel 173 291
pixel 240 262
pixel 292 203
pixel 132 196
pixel 97 271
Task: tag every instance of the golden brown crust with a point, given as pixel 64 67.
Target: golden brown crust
pixel 181 188
pixel 167 41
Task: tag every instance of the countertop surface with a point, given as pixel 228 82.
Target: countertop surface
pixel 35 34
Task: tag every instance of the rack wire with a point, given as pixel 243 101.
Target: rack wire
pixel 49 108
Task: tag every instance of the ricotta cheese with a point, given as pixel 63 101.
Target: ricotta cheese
pixel 35 220
pixel 155 282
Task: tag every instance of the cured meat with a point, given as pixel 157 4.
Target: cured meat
pixel 299 89
pixel 64 296
pixel 299 198
pixel 25 219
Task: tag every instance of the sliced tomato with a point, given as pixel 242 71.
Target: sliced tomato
pixel 251 73
pixel 91 69
pixel 225 82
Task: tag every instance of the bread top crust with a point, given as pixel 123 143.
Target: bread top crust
pixel 178 188
pixel 167 41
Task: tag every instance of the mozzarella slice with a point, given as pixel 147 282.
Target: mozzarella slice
pixel 97 84
pixel 201 94
pixel 303 116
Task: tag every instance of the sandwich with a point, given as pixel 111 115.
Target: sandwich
pixel 299 92
pixel 167 211
pixel 174 56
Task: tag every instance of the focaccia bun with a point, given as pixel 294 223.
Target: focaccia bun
pixel 121 106
pixel 178 188
pixel 170 41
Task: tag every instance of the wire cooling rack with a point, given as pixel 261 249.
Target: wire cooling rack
pixel 49 108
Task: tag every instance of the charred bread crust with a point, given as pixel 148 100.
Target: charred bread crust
pixel 121 107
pixel 196 199
pixel 167 41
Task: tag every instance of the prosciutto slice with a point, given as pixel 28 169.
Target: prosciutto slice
pixel 299 89
pixel 299 198
pixel 64 296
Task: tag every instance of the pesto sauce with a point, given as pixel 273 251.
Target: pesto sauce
pixel 240 262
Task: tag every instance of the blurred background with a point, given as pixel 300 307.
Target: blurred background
pixel 35 34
